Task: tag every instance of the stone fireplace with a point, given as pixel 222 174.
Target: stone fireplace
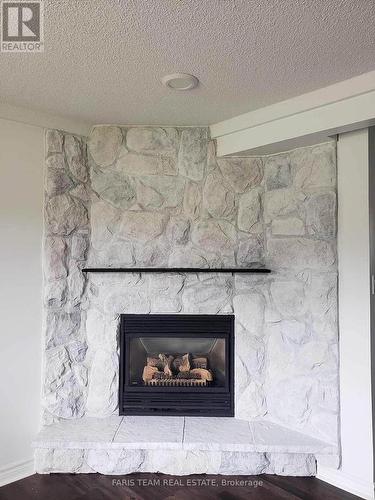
pixel 160 198
pixel 177 365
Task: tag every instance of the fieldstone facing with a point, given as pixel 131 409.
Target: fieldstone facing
pixel 162 198
pixel 301 253
pixel 57 182
pixel 219 199
pixel 190 256
pixel 153 140
pixel 251 403
pixel 280 202
pixel 315 167
pixel 75 157
pixel 76 285
pixel 151 253
pixel 80 245
pixel 103 386
pixel 104 144
pixel 212 296
pixel 142 226
pixel 67 202
pixel 192 200
pixel 249 312
pixel 214 236
pixel 175 462
pixel 54 141
pixel 249 210
pixel 55 258
pixel 290 226
pixel 251 252
pixel 55 293
pixel 288 297
pixel 295 331
pixel 107 218
pixel 169 190
pixel 66 323
pixel 287 464
pixel 165 293
pixel 113 186
pixel 147 197
pixel 241 173
pixel 63 394
pixel 139 165
pixel 192 157
pixel 178 230
pixel 320 216
pixel 278 172
pixel 65 214
pixel 81 192
pixel 55 161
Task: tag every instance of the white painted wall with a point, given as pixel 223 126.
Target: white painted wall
pixel 356 473
pixel 21 217
pixel 45 120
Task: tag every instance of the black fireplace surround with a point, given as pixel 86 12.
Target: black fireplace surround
pixel 176 364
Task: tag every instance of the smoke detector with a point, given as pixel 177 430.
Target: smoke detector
pixel 180 81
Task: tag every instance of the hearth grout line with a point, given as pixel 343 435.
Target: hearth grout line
pixel 118 428
pixel 183 432
pixel 251 431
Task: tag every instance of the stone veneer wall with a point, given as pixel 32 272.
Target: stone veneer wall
pixel 66 243
pixel 160 197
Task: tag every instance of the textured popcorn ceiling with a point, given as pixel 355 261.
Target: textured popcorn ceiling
pixel 103 59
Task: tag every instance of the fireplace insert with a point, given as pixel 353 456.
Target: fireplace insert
pixel 176 365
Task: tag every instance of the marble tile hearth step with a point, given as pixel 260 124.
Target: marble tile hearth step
pixel 179 433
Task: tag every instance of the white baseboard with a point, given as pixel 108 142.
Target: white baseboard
pixel 347 482
pixel 15 471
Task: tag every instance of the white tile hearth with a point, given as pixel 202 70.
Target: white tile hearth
pixel 192 445
pixel 217 433
pixel 179 433
pixel 274 438
pixel 88 432
pixel 137 432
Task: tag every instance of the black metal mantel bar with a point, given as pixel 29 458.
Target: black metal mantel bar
pixel 173 270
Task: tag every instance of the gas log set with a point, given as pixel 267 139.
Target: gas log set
pixel 177 370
